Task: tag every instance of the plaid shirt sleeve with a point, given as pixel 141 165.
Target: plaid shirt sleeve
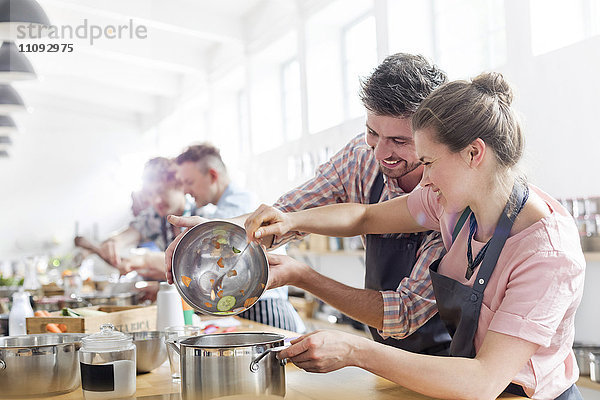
pixel 413 303
pixel 339 180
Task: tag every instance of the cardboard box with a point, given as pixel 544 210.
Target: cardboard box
pixel 124 318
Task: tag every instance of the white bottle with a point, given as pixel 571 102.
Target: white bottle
pixel 169 307
pixel 21 309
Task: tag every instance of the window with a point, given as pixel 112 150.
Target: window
pixel 410 27
pixel 558 23
pixel 291 100
pixel 325 83
pixel 265 93
pixel 470 36
pixel 360 58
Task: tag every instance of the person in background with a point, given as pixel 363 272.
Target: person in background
pixel 378 165
pixel 204 176
pixel 164 192
pixel 511 280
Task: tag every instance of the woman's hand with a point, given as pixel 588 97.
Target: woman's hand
pixel 324 351
pixel 265 221
pixel 181 222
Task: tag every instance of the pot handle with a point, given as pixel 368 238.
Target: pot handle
pixel 171 343
pixel 2 365
pixel 254 364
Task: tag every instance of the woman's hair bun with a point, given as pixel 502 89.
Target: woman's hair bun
pixel 493 84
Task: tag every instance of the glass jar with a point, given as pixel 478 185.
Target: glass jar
pixel 107 361
pixel 176 333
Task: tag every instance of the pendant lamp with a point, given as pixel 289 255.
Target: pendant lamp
pixel 10 100
pixel 7 125
pixel 17 16
pixel 14 66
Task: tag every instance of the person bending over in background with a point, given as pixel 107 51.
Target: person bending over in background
pixel 164 192
pixel 511 280
pixel 204 176
pixel 378 165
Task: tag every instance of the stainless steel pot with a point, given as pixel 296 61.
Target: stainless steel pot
pixel 582 355
pixel 595 366
pixel 33 365
pixel 230 364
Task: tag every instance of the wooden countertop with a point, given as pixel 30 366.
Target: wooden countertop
pixel 348 383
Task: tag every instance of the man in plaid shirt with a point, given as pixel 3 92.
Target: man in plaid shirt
pixel 374 167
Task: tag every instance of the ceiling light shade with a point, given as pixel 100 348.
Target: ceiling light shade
pixel 14 66
pixel 7 125
pixel 10 100
pixel 17 16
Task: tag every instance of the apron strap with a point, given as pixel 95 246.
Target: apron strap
pixel 498 239
pixel 377 189
pixel 460 223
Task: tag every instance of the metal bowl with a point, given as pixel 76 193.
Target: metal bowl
pixel 206 252
pixel 151 351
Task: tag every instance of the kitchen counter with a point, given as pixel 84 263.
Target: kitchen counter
pixel 347 383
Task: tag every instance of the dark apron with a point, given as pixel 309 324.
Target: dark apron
pixel 459 305
pixel 388 261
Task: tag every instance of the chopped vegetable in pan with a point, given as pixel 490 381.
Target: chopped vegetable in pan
pixel 186 280
pixel 220 263
pixel 226 303
pixel 249 301
pixel 235 250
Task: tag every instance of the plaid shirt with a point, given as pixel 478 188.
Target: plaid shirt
pixel 347 178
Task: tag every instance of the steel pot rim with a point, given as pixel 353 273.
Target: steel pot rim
pixel 275 338
pixel 79 336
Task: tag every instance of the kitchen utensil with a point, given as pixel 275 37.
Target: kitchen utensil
pixel 595 366
pixel 582 355
pixel 199 259
pixel 107 360
pixel 39 365
pixel 219 280
pixel 150 349
pixel 231 364
pixel 176 333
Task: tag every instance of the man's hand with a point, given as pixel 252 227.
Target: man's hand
pixel 108 252
pixel 182 222
pixel 265 221
pixel 323 351
pixel 150 266
pixel 284 270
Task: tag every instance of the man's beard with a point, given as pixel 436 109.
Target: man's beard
pixel 398 172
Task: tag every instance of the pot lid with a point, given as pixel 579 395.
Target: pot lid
pixel 107 339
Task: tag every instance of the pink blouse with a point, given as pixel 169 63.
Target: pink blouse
pixel 533 292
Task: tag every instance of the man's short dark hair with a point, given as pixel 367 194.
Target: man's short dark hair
pixel 205 155
pixel 399 84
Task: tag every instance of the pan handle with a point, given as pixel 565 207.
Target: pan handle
pixel 254 364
